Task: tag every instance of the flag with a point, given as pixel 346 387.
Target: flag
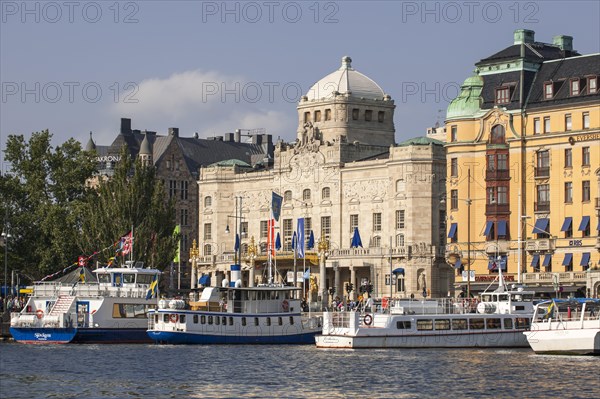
pixel 276 206
pixel 294 241
pixel 237 242
pixel 356 241
pixel 311 241
pixel 127 243
pixel 81 261
pixel 278 242
pixel 153 288
pixel 301 239
pixel 306 274
pixel 176 236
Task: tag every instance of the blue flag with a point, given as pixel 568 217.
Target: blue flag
pixel 356 241
pixel 276 206
pixel 311 241
pixel 301 238
pixel 294 241
pixel 278 242
pixel 237 242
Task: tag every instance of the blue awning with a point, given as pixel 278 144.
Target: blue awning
pixel 585 259
pixel 488 228
pixel 541 226
pixel 453 228
pixel 494 262
pixel 566 224
pixel 502 227
pixel 585 221
pixel 547 260
pixel 398 270
pixel 567 260
pixel 535 262
pixel 598 227
pixel 204 280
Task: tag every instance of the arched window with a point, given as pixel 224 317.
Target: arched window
pixel 287 196
pixel 399 240
pixel 325 193
pixel 376 242
pixel 207 201
pixel 306 194
pixel 207 249
pixel 498 135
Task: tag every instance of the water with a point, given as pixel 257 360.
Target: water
pixel 152 371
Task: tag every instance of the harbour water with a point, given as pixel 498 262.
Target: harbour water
pixel 153 371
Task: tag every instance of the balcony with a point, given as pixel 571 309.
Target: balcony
pixel 550 278
pixel 495 174
pixel 495 209
pixel 497 247
pixel 542 244
pixel 542 207
pixel 542 172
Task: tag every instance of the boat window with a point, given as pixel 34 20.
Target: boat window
pixel 273 295
pixel 244 295
pixel 144 278
pixel 425 325
pixel 182 318
pixel 156 318
pixel 520 308
pixel 217 320
pixel 493 324
pixel 165 318
pixel 403 325
pixel 486 298
pixel 210 320
pixel 130 310
pixel 521 322
pixel 224 320
pixel 442 324
pixel 195 319
pixel 230 320
pixel 476 324
pixel 280 321
pixel 243 321
pixel 129 278
pixel 256 321
pixel 508 324
pixel 268 321
pixel 291 320
pixel 252 295
pixel 503 297
pixel 104 278
pixel 459 324
pixel 202 319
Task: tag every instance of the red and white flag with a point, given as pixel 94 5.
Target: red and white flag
pixel 127 243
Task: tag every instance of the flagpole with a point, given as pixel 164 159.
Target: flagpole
pixel 295 268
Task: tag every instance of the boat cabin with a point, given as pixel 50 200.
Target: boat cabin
pixel 262 299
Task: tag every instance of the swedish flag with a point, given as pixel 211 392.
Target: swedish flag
pixel 153 288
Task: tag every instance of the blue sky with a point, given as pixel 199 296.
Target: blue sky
pixel 212 67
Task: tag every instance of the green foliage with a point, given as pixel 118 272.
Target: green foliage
pixel 132 197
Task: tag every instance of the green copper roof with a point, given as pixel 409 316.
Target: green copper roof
pixel 420 141
pixel 468 102
pixel 231 162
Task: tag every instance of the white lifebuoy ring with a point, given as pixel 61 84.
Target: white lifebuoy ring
pixel 285 305
pixel 39 313
pixel 368 320
pixel 174 318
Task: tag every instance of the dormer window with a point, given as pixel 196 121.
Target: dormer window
pixel 548 90
pixel 574 87
pixel 592 85
pixel 503 95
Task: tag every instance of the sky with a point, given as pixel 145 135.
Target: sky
pixel 211 67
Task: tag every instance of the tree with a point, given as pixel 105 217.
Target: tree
pixel 131 198
pixel 39 197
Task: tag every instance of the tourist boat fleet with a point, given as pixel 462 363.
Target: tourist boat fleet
pixel 111 309
pixel 566 326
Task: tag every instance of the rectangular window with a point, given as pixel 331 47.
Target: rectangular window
pixel 548 91
pixel 491 162
pixel 184 217
pixel 454 199
pixel 207 231
pixel 288 231
pixel 307 229
pixel 575 87
pixel 502 161
pixel 493 324
pixel 546 124
pixel 592 85
pixel 326 226
pixel 543 193
pixel 426 325
pixel 184 189
pixel 443 324
pixel 368 115
pixel 585 191
pixel 264 229
pixel 317 116
pixel 403 325
pixel 536 126
pixel 454 167
pixel 568 192
pixel 477 324
pixel 502 195
pixel 355 114
pixel 377 222
pixel 328 114
pixel 503 95
pixel 585 120
pixel 543 159
pixel 306 117
pixel 400 214
pixel 568 122
pixel 585 156
pixel 568 158
pixel 459 324
pixel 172 188
pixel 381 116
pixel 453 132
pixel 353 223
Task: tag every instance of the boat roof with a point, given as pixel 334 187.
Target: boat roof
pixel 571 300
pixel 264 288
pixel 126 270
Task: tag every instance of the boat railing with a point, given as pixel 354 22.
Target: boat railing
pixel 433 306
pixel 34 320
pixel 334 321
pixel 50 289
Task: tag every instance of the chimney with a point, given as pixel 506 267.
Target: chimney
pixel 228 137
pixel 125 125
pixel 563 42
pixel 238 135
pixel 174 131
pixel 524 36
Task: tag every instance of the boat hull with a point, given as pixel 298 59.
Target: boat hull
pixel 565 341
pixel 43 335
pixel 80 335
pixel 178 338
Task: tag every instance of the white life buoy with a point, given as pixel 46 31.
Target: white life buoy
pixel 174 317
pixel 368 320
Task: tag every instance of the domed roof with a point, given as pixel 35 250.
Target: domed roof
pixel 468 103
pixel 345 80
pixel 420 141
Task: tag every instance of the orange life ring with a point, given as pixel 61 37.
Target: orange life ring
pixel 174 317
pixel 368 320
pixel 285 305
pixel 39 313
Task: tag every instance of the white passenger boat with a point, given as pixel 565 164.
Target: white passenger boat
pixel 113 308
pixel 566 326
pixel 267 314
pixel 498 320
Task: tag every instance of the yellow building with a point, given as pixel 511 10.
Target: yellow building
pixel 523 158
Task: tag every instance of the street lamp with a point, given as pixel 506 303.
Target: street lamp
pixel 323 247
pixel 6 235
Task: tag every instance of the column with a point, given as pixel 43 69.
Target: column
pixel 336 269
pixel 251 274
pixel 352 295
pixel 322 279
